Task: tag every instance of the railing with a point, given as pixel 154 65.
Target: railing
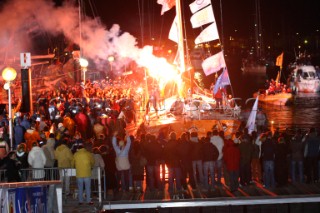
pixel 66 175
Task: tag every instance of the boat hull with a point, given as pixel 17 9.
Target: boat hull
pixel 279 99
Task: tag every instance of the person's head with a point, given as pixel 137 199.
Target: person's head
pixel 173 136
pixel 34 144
pixel 12 155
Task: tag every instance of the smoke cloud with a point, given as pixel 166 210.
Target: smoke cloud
pixel 23 20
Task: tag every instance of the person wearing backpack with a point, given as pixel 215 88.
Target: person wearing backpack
pixel 210 154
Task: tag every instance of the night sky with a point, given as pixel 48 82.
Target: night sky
pixel 284 16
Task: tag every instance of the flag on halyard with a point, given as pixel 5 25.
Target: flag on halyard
pixel 279 60
pixel 198 5
pixel 210 33
pixel 252 117
pixel 166 5
pixel 174 31
pixel 213 63
pixel 223 80
pixel 202 17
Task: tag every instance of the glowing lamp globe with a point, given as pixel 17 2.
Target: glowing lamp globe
pixel 9 74
pixel 83 62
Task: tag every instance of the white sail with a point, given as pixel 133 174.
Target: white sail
pixel 252 117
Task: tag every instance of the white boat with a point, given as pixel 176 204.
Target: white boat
pixel 304 79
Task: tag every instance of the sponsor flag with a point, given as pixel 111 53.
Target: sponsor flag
pixel 202 17
pixel 213 63
pixel 198 5
pixel 279 60
pixel 174 31
pixel 166 5
pixel 210 33
pixel 223 80
pixel 252 117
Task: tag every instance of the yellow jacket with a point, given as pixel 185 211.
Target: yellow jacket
pixel 83 161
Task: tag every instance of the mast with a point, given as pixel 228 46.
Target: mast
pixel 181 39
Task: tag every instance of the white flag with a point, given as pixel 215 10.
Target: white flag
pixel 174 31
pixel 166 5
pixel 252 117
pixel 202 17
pixel 210 33
pixel 213 63
pixel 198 5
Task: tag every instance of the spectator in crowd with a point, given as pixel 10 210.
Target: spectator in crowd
pixel 4 147
pixel 268 156
pixel 37 161
pixel 64 158
pixel 281 164
pixel 196 156
pixel 256 156
pixel 11 165
pixel 173 162
pixel 297 149
pixel 108 156
pixel 22 157
pixel 31 136
pixel 210 155
pixel 138 162
pixel 19 132
pixel 152 151
pixel 231 153
pixel 122 160
pixel 218 142
pixel 311 154
pixel 83 161
pixel 246 151
pixel 184 151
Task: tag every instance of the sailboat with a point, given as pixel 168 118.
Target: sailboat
pixel 202 16
pixel 255 62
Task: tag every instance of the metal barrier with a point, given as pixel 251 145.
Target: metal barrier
pixel 67 176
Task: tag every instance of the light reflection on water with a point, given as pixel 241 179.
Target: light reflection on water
pixel 303 113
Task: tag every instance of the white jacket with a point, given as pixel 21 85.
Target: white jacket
pixel 36 160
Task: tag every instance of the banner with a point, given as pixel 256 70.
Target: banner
pixel 202 17
pixel 198 5
pixel 210 33
pixel 223 80
pixel 279 60
pixel 174 31
pixel 166 5
pixel 213 63
pixel 252 117
pixel 31 199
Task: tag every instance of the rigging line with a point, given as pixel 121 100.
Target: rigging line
pixel 141 21
pixel 94 12
pixel 149 20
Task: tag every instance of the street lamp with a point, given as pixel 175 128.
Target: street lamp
pixel 84 64
pixel 111 60
pixel 9 74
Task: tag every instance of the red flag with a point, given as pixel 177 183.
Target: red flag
pixel 166 5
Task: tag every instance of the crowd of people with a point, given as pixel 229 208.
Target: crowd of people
pixel 67 134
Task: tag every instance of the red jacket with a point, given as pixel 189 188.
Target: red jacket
pixel 231 155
